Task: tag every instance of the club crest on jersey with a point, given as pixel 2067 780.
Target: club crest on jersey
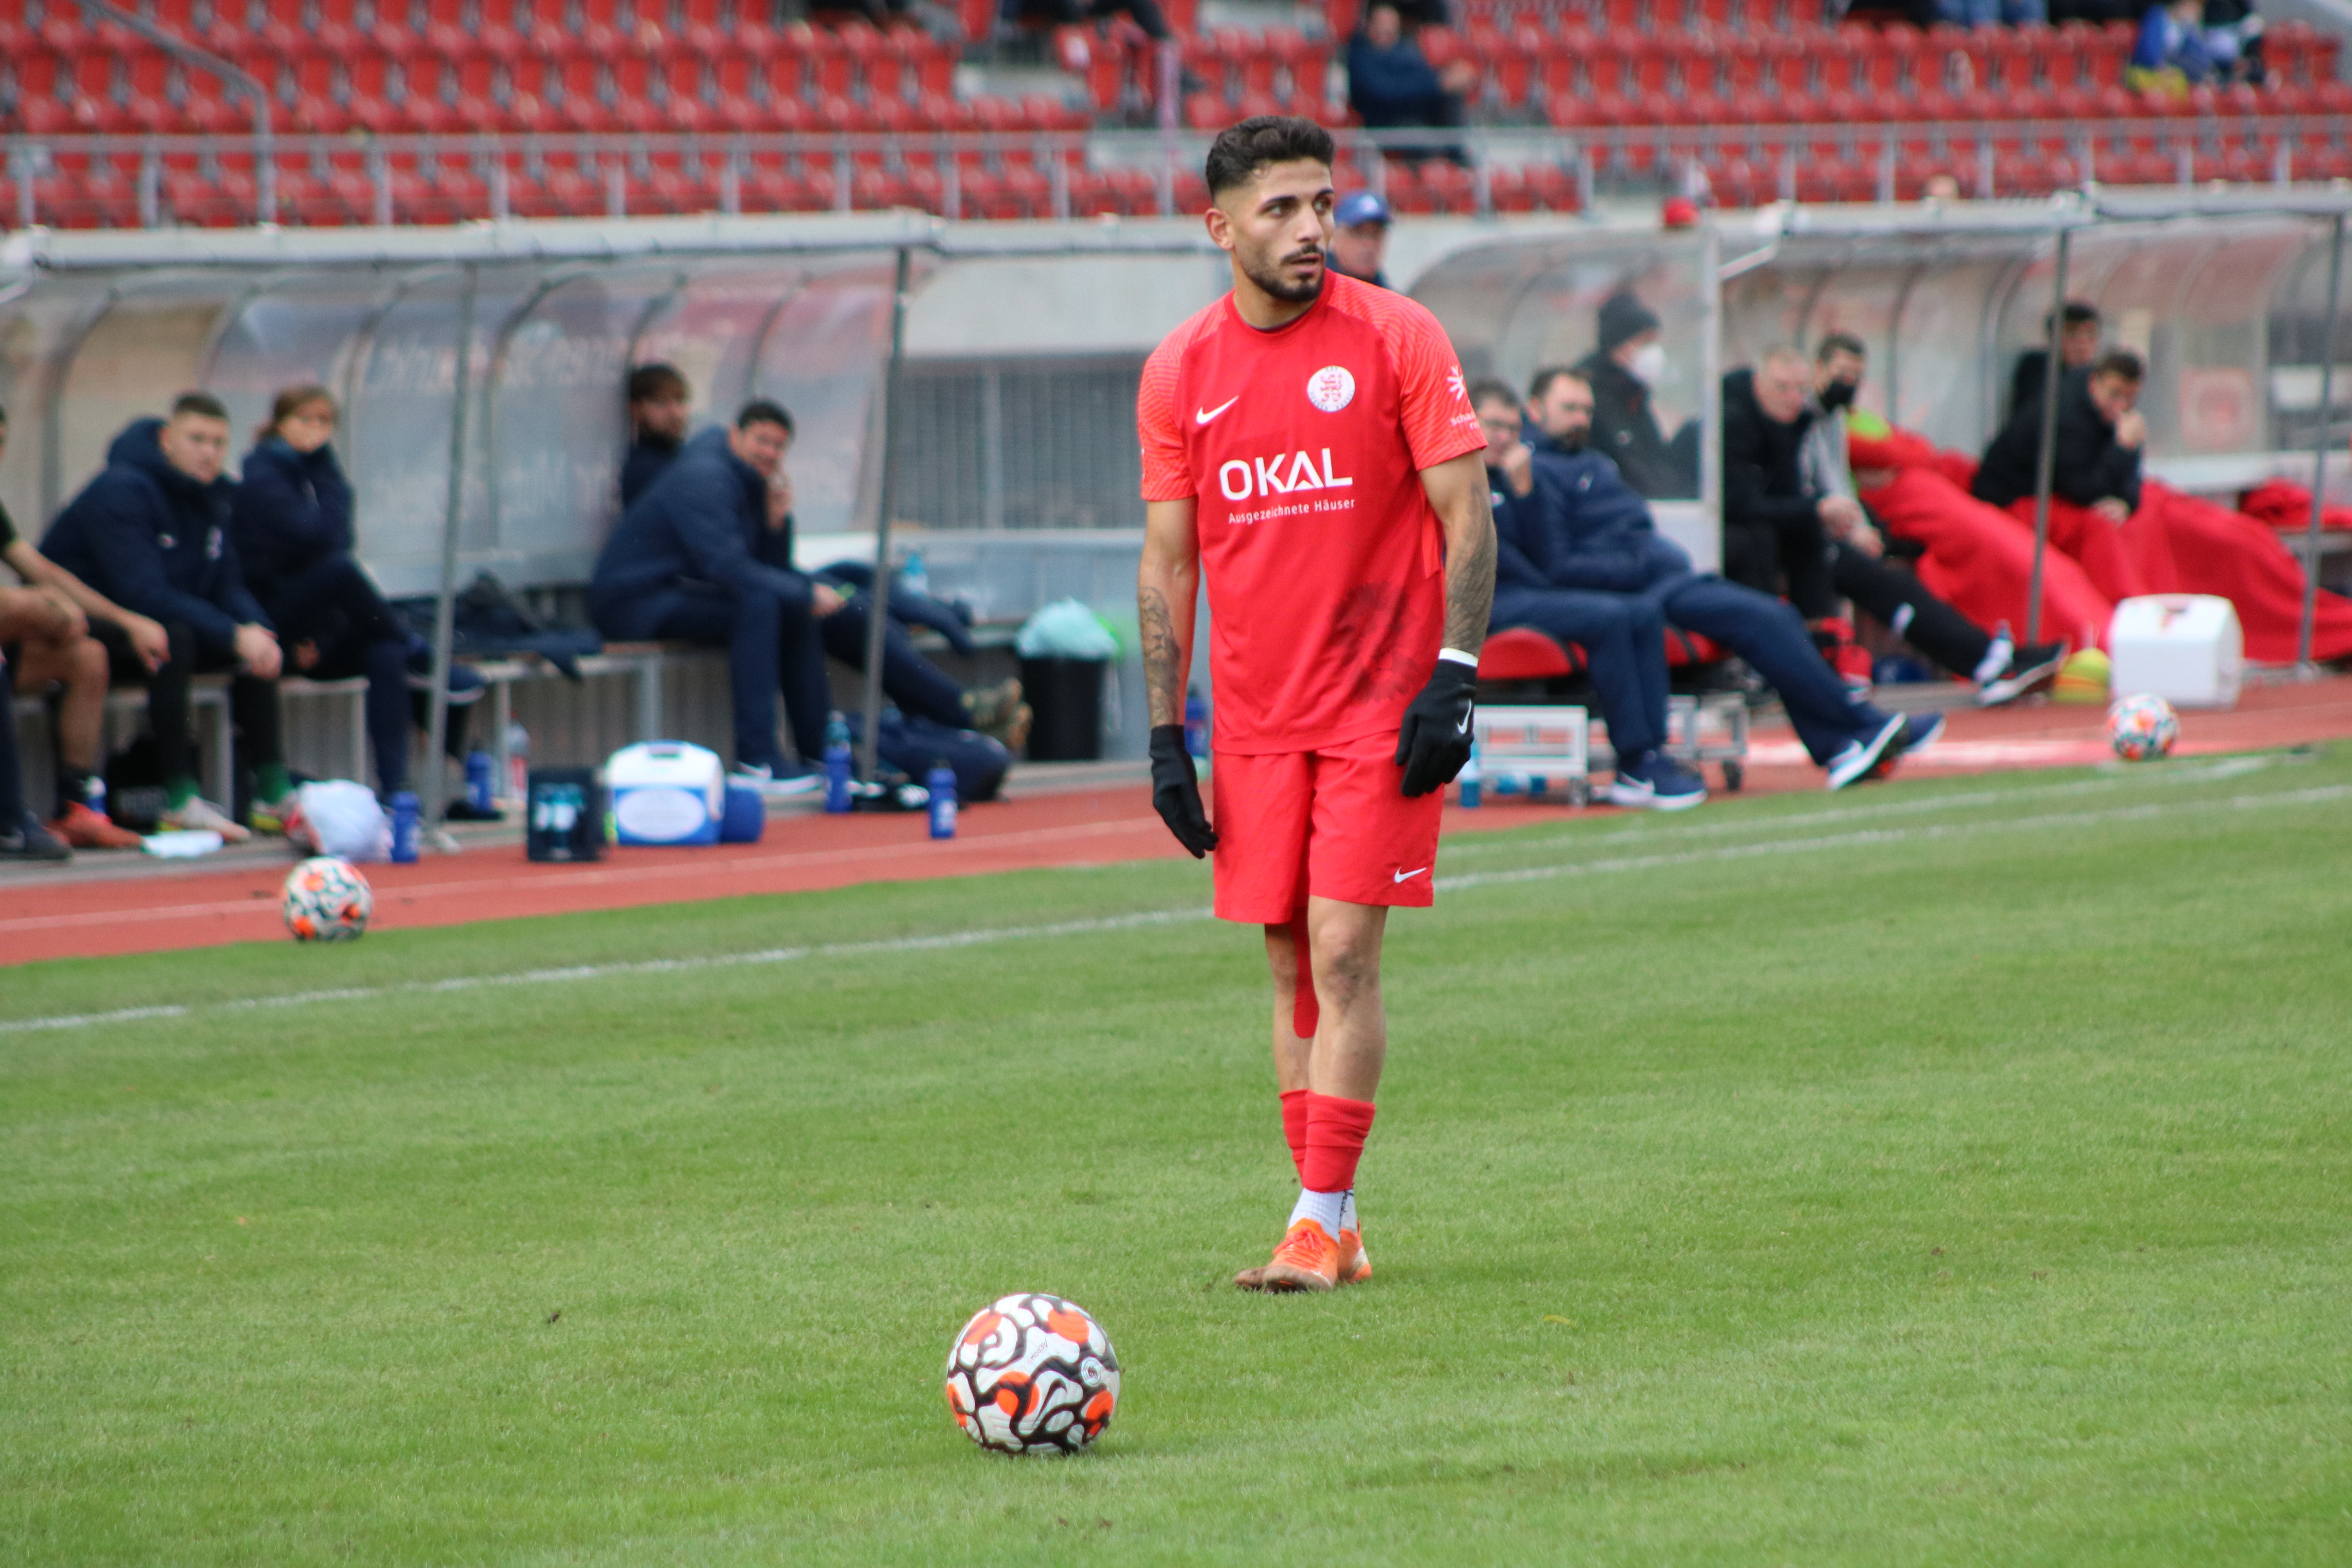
pixel 1279 476
pixel 1331 389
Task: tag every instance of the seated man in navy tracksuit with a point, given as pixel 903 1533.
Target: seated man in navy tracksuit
pixel 1619 635
pixel 704 556
pixel 152 533
pixel 1594 535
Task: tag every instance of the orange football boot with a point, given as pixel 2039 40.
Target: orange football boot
pixel 1307 1260
pixel 1355 1267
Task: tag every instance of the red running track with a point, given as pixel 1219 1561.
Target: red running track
pixel 183 906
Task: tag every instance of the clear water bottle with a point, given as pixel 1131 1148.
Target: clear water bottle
pixel 1196 724
pixel 404 814
pixel 941 781
pixel 915 577
pixel 836 764
pixel 518 762
pixel 1467 779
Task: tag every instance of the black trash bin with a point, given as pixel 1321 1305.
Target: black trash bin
pixel 1066 697
pixel 563 814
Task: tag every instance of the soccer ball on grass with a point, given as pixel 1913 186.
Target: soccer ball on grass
pixel 1032 1374
pixel 2140 728
pixel 326 899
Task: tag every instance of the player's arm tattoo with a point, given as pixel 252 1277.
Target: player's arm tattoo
pixel 1166 584
pixel 1163 658
pixel 1457 490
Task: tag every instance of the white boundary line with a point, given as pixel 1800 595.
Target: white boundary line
pixel 1863 839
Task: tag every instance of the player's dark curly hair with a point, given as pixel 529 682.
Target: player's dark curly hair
pixel 1241 150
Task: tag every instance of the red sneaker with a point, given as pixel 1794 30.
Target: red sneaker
pixel 85 829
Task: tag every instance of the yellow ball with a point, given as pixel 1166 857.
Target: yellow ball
pixel 2083 679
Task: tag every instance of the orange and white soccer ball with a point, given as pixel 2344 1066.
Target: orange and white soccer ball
pixel 2141 728
pixel 326 899
pixel 1032 1374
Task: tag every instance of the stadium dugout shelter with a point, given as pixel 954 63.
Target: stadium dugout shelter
pixel 479 373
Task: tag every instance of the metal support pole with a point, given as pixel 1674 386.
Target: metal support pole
pixel 2319 450
pixel 877 609
pixel 2045 460
pixel 444 613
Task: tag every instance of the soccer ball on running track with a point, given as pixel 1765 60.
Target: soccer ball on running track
pixel 1032 1374
pixel 2140 728
pixel 326 899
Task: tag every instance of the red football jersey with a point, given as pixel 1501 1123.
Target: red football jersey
pixel 1303 448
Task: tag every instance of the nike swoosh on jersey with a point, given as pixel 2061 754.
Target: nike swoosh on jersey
pixel 1406 875
pixel 1202 416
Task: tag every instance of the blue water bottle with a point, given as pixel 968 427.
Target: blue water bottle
pixel 914 576
pixel 1196 724
pixel 404 827
pixel 941 781
pixel 1468 780
pixel 836 763
pixel 478 786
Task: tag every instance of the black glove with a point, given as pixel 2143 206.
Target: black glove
pixel 1435 738
pixel 1176 791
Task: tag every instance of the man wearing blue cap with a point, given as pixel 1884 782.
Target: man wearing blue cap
pixel 1359 237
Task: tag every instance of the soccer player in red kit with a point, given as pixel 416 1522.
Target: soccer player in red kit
pixel 1309 446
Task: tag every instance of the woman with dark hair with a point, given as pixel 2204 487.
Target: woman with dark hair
pixel 292 524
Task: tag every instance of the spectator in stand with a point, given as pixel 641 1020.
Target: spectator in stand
pixel 152 533
pixel 44 636
pixel 2095 459
pixel 1359 238
pixel 1993 12
pixel 1391 84
pixel 1790 507
pixel 292 519
pixel 1596 535
pixel 1628 363
pixel 2233 39
pixel 658 402
pixel 1148 17
pixel 2170 56
pixel 2078 345
pixel 1622 634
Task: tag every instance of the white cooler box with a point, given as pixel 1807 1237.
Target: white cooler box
pixel 665 792
pixel 2187 648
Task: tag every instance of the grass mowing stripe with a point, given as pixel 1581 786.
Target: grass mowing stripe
pixel 975 936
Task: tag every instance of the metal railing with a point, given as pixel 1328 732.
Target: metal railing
pixel 724 172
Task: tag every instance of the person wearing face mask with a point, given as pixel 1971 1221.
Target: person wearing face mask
pixel 292 519
pixel 1628 364
pixel 1790 509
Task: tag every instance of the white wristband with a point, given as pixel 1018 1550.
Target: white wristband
pixel 1458 656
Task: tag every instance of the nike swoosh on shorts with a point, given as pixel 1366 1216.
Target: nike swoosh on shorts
pixel 1202 416
pixel 1405 875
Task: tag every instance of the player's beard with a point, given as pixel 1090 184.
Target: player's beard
pixel 1271 278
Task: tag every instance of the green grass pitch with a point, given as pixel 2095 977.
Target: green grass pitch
pixel 1942 1173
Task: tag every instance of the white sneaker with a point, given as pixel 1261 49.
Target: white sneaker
pixel 201 816
pixel 778 784
pixel 1860 756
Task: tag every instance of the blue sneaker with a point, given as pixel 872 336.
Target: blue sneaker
pixel 1922 729
pixel 1655 782
pixel 781 782
pixel 1861 756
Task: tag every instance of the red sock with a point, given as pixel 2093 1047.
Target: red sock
pixel 1294 1129
pixel 1335 1141
pixel 1304 1012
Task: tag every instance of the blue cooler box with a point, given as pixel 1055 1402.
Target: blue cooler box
pixel 666 792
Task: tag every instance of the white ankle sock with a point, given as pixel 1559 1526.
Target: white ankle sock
pixel 1323 1208
pixel 1347 1212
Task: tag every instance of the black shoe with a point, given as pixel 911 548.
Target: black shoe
pixel 31 841
pixel 2030 668
pixel 464 810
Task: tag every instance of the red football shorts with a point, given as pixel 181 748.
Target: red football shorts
pixel 1331 822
